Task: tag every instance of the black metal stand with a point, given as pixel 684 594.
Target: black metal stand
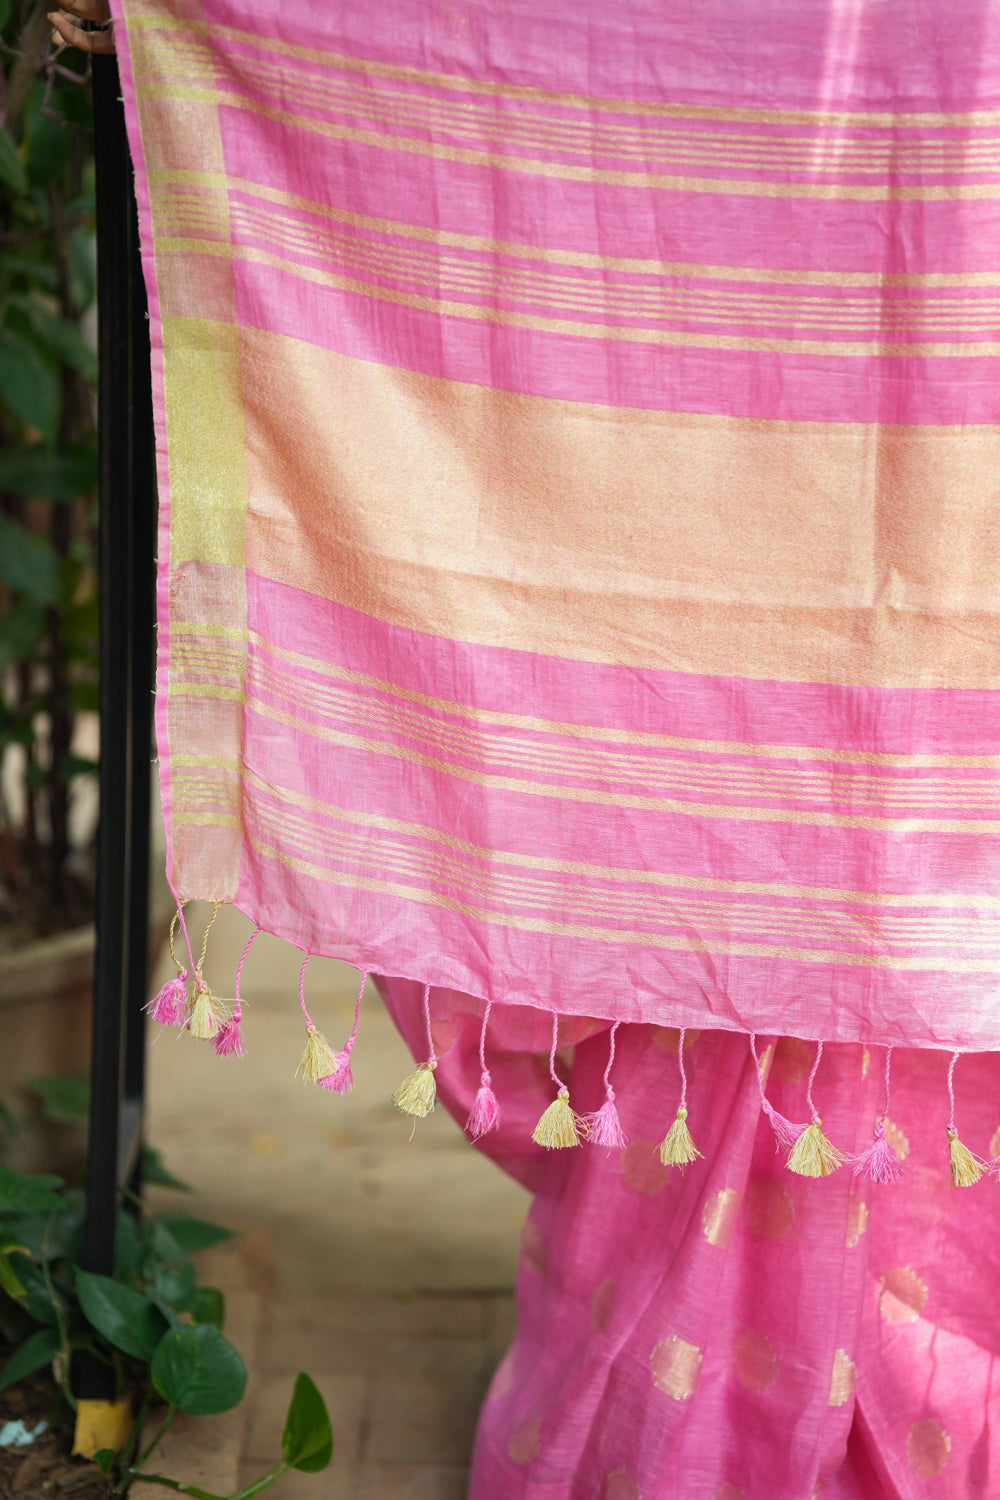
pixel 126 553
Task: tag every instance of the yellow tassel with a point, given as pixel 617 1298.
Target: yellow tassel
pixel 678 1148
pixel 965 1168
pixel 205 1016
pixel 560 1125
pixel 318 1060
pixel 417 1094
pixel 813 1155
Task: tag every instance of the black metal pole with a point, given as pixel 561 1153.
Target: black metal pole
pixel 125 556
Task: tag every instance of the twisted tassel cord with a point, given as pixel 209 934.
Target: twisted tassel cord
pixel 951 1094
pixel 552 1053
pixel 680 1064
pixel 611 1062
pixel 813 1112
pixel 239 967
pixel 888 1062
pixel 431 1054
pixel 302 992
pixel 357 1014
pixel 484 1073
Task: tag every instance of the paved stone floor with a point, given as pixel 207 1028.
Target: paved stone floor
pixel 389 1261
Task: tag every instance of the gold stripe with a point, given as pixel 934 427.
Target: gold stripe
pixel 579 258
pixel 615 935
pixel 580 731
pixel 688 302
pixel 798 781
pixel 836 925
pixel 960 900
pixel 163 23
pixel 563 171
pixel 604 331
pixel 583 794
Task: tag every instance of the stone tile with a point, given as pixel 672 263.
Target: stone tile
pixel 365 1333
pixel 339 1482
pixel 413 1482
pixel 345 1401
pixel 423 1421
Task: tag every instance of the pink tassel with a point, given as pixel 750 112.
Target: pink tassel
pixel 229 1042
pixel 341 1080
pixel 786 1132
pixel 168 1006
pixel 605 1127
pixel 485 1113
pixel 880 1163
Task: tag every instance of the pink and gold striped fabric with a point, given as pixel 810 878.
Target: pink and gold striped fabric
pixel 579 444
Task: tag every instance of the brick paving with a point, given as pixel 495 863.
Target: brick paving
pixel 384 1265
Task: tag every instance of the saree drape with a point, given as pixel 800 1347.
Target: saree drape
pixel 579 462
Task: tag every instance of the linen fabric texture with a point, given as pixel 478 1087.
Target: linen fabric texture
pixel 579 572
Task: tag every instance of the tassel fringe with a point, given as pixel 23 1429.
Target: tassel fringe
pixel 813 1155
pixel 881 1163
pixel 417 1094
pixel 229 1042
pixel 786 1132
pixel 318 1061
pixel 966 1168
pixel 168 1006
pixel 560 1126
pixel 206 1016
pixel 341 1080
pixel 604 1128
pixel 484 1115
pixel 678 1149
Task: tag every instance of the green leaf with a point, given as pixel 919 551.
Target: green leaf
pixel 307 1441
pixel 36 1351
pixel 82 246
pixel 208 1305
pixel 193 1234
pixel 197 1369
pixel 153 1170
pixel 10 1282
pixel 27 564
pixel 23 1194
pixel 128 1252
pixel 4 12
pixel 61 338
pixel 21 628
pixel 11 165
pixel 104 1458
pixel 64 476
pixel 49 145
pixel 65 1098
pixel 28 387
pixel 125 1318
pixel 38 272
pixel 35 1298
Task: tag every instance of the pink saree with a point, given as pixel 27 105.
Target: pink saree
pixel 578 600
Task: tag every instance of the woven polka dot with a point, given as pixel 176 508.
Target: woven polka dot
pixel 857 1219
pixel 792 1060
pixel 769 1209
pixel 642 1169
pixel 756 1365
pixel 524 1441
pixel 676 1367
pixel 843 1378
pixel 902 1296
pixel 897 1140
pixel 601 1303
pixel 533 1251
pixel 927 1448
pixel 621 1486
pixel 718 1217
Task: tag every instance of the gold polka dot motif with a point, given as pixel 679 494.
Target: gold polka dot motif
pixel 523 1445
pixel 769 1209
pixel 927 1448
pixel 857 1219
pixel 621 1486
pixel 730 1492
pixel 642 1169
pixel 718 1217
pixel 902 1296
pixel 676 1367
pixel 843 1378
pixel 601 1303
pixel 756 1366
pixel 533 1247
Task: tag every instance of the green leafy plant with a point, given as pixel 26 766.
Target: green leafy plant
pixel 155 1328
pixel 48 470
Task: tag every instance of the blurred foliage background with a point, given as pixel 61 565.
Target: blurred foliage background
pixel 48 476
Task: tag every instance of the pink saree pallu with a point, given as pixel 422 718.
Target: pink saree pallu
pixel 579 590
